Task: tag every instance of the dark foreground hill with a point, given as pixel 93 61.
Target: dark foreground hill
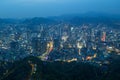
pixel 32 68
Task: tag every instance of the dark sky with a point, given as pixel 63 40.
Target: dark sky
pixel 43 8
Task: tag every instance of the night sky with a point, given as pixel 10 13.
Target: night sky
pixel 44 8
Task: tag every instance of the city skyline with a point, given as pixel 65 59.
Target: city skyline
pixel 59 40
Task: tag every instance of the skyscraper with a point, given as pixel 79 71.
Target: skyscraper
pixel 103 38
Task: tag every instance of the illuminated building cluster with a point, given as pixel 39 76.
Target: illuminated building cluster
pixel 64 42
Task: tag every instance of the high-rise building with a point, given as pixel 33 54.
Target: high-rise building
pixel 103 38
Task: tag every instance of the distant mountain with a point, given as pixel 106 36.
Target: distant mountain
pixel 83 20
pixel 90 17
pixel 39 20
